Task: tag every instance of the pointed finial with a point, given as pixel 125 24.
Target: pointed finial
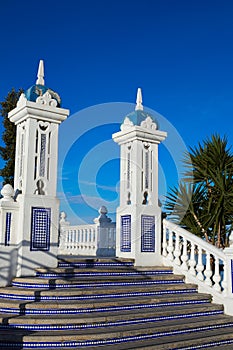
pixel 40 74
pixel 139 106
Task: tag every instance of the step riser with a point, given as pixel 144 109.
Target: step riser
pixel 94 297
pixel 115 341
pixel 53 284
pixel 103 274
pixel 67 326
pixel 96 264
pixel 66 311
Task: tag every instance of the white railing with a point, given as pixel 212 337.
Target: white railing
pixel 78 240
pixel 97 239
pixel 200 262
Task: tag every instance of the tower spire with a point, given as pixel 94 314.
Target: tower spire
pixel 40 74
pixel 139 106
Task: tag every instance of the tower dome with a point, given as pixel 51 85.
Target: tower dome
pixel 138 116
pixel 39 89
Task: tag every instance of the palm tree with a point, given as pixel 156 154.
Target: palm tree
pixel 203 201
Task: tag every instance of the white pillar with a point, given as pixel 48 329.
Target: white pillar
pixel 138 226
pixel 37 117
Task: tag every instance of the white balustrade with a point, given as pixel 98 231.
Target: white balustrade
pixel 88 240
pixel 200 262
pixel 78 240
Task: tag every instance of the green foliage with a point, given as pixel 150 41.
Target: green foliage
pixel 203 201
pixel 7 152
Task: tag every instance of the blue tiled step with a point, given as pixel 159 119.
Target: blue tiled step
pixel 93 263
pixel 108 306
pixel 106 274
pixel 36 283
pixel 191 333
pixel 41 324
pixel 18 294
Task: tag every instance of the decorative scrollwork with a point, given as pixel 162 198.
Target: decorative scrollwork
pixel 22 100
pixel 46 99
pixel 148 123
pixel 126 124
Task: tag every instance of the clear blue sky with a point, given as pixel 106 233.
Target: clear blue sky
pixel 98 52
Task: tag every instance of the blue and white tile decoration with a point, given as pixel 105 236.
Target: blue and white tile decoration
pixel 125 233
pixel 147 233
pixel 232 275
pixel 8 229
pixel 40 230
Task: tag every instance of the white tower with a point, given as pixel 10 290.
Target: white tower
pixel 37 117
pixel 138 227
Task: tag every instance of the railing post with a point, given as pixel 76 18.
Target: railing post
pixel 228 270
pixel 63 236
pixel 104 226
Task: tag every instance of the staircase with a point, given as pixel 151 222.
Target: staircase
pixel 108 303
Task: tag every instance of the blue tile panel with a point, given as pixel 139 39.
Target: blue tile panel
pixel 147 233
pixel 8 229
pixel 125 233
pixel 232 275
pixel 40 229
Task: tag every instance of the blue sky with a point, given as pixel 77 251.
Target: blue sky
pixel 96 54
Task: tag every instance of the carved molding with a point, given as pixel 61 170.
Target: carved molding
pixel 126 124
pixel 46 99
pixel 22 100
pixel 148 123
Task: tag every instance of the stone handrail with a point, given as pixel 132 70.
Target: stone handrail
pixel 200 262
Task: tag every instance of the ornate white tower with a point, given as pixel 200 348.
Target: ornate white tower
pixel 138 230
pixel 37 117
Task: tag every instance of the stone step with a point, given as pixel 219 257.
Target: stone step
pixel 165 331
pixel 76 259
pixel 108 303
pixel 113 281
pixel 91 263
pixel 104 273
pixel 51 322
pixel 102 269
pixel 12 293
pixel 113 305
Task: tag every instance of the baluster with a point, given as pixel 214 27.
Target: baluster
pixel 66 239
pixel 170 247
pixel 224 281
pixel 164 240
pixel 208 272
pixel 192 261
pixel 74 239
pixel 217 277
pixel 184 256
pixel 200 266
pixel 177 249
